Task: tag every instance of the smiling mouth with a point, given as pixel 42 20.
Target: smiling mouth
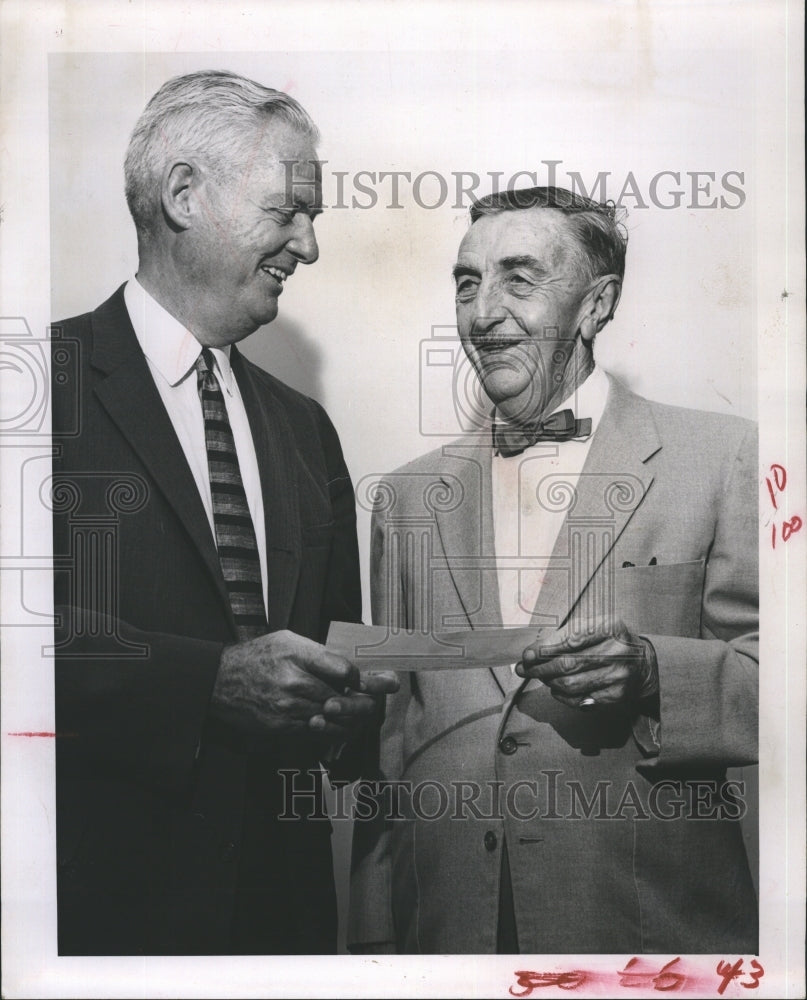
pixel 492 345
pixel 277 274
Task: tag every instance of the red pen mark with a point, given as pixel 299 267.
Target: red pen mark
pixel 756 975
pixel 47 735
pixel 776 483
pixel 534 980
pixel 779 479
pixel 730 972
pixel 663 980
pixel 639 973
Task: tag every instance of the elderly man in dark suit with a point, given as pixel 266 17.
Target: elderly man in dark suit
pixel 585 801
pixel 204 532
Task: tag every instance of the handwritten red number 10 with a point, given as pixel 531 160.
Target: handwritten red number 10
pixel 776 483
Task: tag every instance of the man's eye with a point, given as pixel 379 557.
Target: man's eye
pixel 284 217
pixel 518 281
pixel 466 289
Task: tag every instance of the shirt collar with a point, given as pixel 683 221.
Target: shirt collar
pixel 587 400
pixel 169 346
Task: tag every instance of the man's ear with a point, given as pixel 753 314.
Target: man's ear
pixel 599 306
pixel 178 195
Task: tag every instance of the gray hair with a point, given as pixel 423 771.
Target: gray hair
pixel 212 112
pixel 597 230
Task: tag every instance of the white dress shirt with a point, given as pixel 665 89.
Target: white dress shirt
pixel 525 531
pixel 171 352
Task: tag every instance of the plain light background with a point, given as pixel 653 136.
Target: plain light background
pixel 712 316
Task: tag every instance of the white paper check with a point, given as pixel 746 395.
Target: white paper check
pixel 375 647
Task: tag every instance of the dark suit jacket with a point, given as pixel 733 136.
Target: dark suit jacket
pixel 618 842
pixel 168 836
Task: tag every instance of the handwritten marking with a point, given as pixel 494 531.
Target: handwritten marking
pixel 636 974
pixel 47 735
pixel 729 972
pixel 776 487
pixel 534 980
pixel 664 980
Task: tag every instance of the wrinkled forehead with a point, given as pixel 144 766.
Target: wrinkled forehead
pixel 539 232
pixel 280 158
pixel 280 141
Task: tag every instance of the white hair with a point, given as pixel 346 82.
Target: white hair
pixel 213 113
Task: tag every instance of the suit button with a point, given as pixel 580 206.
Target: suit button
pixel 508 745
pixel 491 840
pixel 227 853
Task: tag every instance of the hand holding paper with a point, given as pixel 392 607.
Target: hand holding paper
pixel 376 647
pixel 605 665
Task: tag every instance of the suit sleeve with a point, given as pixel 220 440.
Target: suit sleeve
pixel 709 695
pixel 142 716
pixel 370 918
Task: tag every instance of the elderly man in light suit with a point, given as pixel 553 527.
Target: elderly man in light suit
pixel 588 808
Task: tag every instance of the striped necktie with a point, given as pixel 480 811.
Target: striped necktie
pixel 235 533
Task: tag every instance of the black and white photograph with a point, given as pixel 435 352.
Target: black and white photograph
pixel 403 499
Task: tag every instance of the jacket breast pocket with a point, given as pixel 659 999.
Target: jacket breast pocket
pixel 662 599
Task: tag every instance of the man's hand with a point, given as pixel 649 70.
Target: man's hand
pixel 351 708
pixel 607 665
pixel 284 684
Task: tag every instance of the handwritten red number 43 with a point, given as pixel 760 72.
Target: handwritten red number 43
pixel 729 972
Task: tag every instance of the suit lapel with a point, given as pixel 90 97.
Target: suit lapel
pixel 611 488
pixel 131 399
pixel 277 466
pixel 468 541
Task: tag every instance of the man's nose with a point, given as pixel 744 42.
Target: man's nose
pixel 489 310
pixel 303 242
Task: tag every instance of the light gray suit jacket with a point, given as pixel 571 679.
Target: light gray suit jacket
pixel 633 842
